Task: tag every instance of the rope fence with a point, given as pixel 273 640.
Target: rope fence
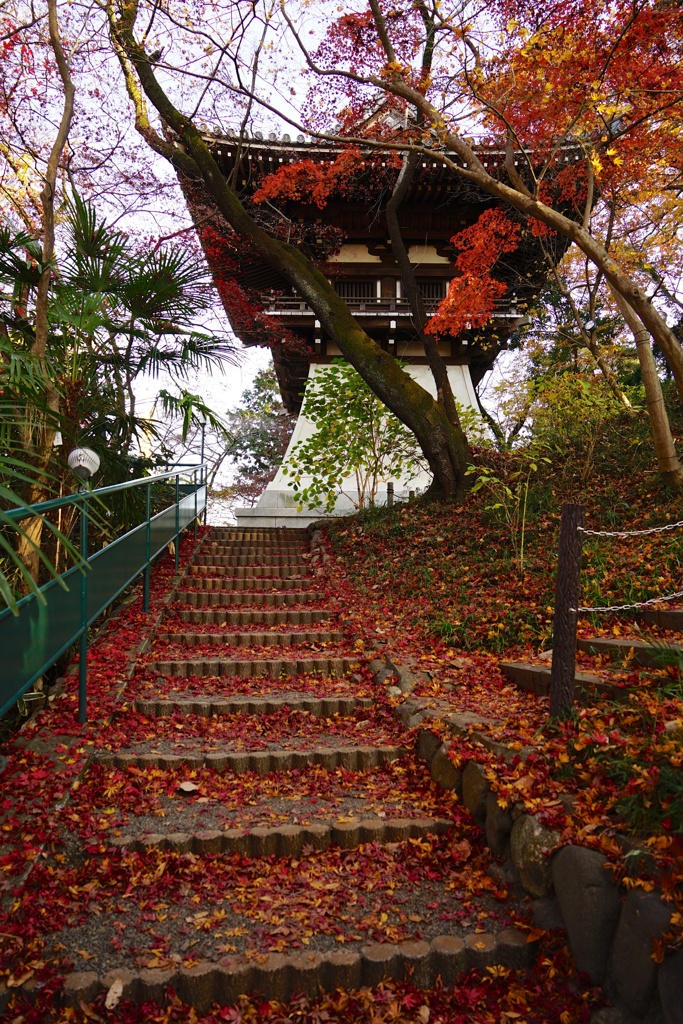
pixel 567 607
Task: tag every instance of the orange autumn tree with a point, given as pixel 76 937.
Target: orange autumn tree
pixel 559 91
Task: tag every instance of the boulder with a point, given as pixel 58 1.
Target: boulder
pixel 427 745
pixel 546 913
pixel 530 845
pixel 671 987
pixel 498 825
pixel 475 788
pixel 444 772
pixel 632 971
pixel 590 906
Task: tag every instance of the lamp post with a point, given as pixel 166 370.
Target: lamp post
pixel 84 463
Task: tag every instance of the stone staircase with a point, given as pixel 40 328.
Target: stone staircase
pixel 256 820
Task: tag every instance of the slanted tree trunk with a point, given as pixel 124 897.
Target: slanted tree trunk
pixel 665 450
pixel 442 445
pixel 39 436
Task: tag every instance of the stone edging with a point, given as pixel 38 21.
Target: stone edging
pixel 356 758
pixel 319 707
pixel 278 976
pixel 610 937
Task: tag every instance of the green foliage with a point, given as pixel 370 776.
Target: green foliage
pixel 511 493
pixel 357 442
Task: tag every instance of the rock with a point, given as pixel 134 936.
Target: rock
pixel 376 665
pixel 530 844
pixel 427 745
pixel 475 788
pixel 186 788
pixel 393 691
pixel 444 772
pixel 632 971
pixel 590 906
pixel 546 913
pixel 670 982
pixel 406 679
pixel 498 825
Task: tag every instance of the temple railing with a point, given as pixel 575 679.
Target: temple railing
pixel 292 305
pixel 46 627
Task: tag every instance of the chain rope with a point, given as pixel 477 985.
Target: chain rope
pixel 629 607
pixel 630 533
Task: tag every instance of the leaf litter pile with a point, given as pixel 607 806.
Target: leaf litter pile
pixel 88 904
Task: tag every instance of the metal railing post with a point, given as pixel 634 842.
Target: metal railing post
pixel 194 482
pixel 205 478
pixel 148 549
pixel 177 517
pixel 83 646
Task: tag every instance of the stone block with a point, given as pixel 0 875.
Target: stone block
pixel 513 948
pixel 427 745
pixel 670 982
pixel 342 968
pixel 80 986
pixel 590 906
pixel 449 958
pixel 304 973
pixel 498 825
pixel 530 845
pixel 380 961
pixel 197 985
pixel 475 789
pixel 482 950
pixel 272 977
pixel 153 983
pixel 444 772
pixel 632 971
pixel 416 960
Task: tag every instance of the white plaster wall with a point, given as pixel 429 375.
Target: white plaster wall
pixel 279 503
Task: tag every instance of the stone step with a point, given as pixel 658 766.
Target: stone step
pixel 269 639
pixel 263 562
pixel 536 679
pixel 351 758
pixel 320 707
pixel 286 840
pixel 277 976
pixel 238 548
pixel 272 535
pixel 641 653
pixel 664 618
pixel 227 583
pixel 218 599
pixel 299 617
pixel 280 571
pixel 274 668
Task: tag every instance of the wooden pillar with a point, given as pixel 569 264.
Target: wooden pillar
pixel 567 590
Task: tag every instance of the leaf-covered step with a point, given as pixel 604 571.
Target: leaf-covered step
pixel 278 976
pixel 272 565
pixel 227 583
pixel 272 535
pixel 287 840
pixel 536 679
pixel 297 617
pixel 649 655
pixel 275 668
pixel 222 599
pixel 664 618
pixel 320 707
pixel 350 758
pixel 251 551
pixel 254 639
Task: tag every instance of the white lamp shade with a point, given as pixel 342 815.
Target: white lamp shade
pixel 84 462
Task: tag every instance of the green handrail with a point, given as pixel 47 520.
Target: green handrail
pixel 33 640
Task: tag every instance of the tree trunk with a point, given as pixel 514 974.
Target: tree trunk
pixel 39 436
pixel 443 446
pixel 665 450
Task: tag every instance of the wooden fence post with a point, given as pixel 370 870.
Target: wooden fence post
pixel 566 602
pixel 390 494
